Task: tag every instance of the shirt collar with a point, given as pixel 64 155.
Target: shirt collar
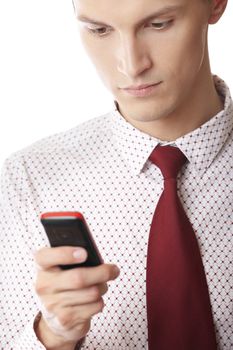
pixel 200 146
pixel 134 145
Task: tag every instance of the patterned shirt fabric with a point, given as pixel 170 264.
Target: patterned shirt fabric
pixel 101 168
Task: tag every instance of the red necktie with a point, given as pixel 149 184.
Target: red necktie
pixel 178 305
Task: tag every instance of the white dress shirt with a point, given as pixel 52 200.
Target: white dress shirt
pixel 101 168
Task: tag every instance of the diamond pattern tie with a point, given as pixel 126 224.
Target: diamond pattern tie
pixel 178 305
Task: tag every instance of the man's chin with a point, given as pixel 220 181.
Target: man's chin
pixel 146 112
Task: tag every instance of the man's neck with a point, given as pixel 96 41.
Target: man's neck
pixel 202 104
pixel 197 111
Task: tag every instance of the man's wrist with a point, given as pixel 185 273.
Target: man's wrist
pixel 79 344
pixel 50 340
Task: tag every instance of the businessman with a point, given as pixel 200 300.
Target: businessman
pixel 153 179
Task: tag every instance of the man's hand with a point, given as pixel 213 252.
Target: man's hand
pixel 69 297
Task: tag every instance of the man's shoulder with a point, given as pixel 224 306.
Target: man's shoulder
pixel 83 135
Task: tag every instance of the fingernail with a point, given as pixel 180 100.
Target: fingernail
pixel 80 254
pixel 116 270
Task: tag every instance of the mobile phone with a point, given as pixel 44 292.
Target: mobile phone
pixel 71 229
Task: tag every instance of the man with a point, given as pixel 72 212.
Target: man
pixel 153 57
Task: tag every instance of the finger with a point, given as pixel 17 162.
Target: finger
pixel 48 258
pixel 74 298
pixel 84 296
pixel 71 316
pixel 52 282
pixel 84 277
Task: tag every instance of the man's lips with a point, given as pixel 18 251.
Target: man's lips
pixel 139 87
pixel 143 90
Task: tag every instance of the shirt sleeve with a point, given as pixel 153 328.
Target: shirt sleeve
pixel 18 304
pixel 20 235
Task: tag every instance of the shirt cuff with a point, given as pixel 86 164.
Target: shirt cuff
pixel 79 344
pixel 37 319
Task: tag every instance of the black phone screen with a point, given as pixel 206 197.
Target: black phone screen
pixel 72 231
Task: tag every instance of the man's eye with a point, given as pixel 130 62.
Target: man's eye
pixel 99 31
pixel 161 25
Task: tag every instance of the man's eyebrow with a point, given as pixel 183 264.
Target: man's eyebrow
pixel 163 11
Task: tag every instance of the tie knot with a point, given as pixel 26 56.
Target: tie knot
pixel 169 159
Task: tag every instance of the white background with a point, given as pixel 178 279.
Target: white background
pixel 47 83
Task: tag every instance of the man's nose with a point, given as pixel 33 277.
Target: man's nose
pixel 133 58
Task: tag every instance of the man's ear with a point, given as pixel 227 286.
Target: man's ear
pixel 217 10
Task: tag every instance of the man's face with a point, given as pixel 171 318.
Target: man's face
pixel 147 42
